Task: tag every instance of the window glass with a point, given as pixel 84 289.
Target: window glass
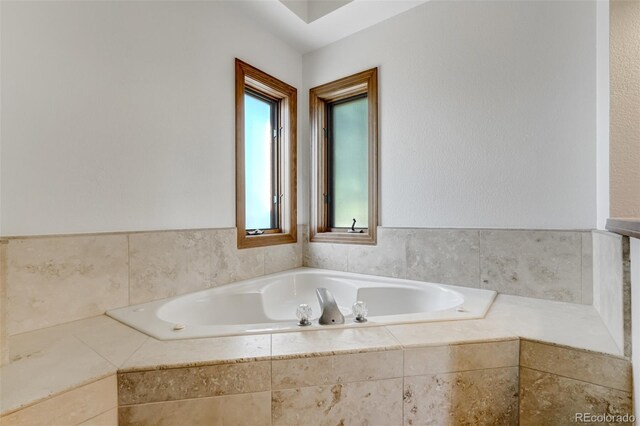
pixel 259 151
pixel 349 163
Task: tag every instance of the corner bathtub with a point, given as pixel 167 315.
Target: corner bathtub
pixel 268 304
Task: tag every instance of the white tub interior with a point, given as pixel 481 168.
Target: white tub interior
pixel 268 304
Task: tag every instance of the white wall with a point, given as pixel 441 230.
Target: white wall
pixel 488 112
pixel 120 115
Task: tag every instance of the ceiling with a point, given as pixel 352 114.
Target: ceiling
pixel 310 24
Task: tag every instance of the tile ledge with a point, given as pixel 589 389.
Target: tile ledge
pixel 480 335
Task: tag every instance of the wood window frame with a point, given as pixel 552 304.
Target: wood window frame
pixel 365 82
pixel 250 77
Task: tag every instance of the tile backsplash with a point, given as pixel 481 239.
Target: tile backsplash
pixel 538 263
pixel 57 279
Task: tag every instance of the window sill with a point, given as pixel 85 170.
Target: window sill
pixel 367 238
pixel 264 240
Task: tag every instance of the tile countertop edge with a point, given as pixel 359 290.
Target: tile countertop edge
pixel 393 344
pixel 624 226
pixel 38 400
pixel 157 367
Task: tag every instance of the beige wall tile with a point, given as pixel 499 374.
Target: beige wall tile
pixel 282 257
pixel 4 332
pixel 608 294
pixel 165 264
pixel 234 410
pixel 108 418
pixel 195 382
pixel 69 408
pixel 587 268
pixel 452 358
pixel 554 400
pixel 330 342
pixel 387 258
pixel 446 256
pixel 157 354
pixel 376 402
pixel 325 370
pixel 228 264
pixel 52 280
pixel 599 369
pixel 479 397
pixel 542 264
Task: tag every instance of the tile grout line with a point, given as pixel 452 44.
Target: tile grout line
pixel 577 380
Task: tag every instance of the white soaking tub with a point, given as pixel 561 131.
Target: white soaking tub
pixel 268 304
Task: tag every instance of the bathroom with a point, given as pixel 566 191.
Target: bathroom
pixel 331 212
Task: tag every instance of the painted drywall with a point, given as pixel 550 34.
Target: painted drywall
pixel 602 114
pixel 625 108
pixel 120 115
pixel 487 112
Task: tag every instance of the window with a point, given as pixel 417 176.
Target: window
pixel 344 137
pixel 265 159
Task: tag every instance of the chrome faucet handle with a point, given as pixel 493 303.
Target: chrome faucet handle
pixel 360 311
pixel 304 314
pixel 330 314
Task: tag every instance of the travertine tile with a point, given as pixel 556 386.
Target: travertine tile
pixel 112 340
pixel 554 400
pixel 156 354
pixel 479 397
pixel 326 256
pixel 599 369
pixel 445 256
pixel 330 342
pixel 282 257
pixel 453 358
pixel 108 418
pixel 542 264
pixel 86 275
pixel 587 268
pixel 46 371
pixel 376 402
pixel 4 331
pixel 386 258
pixel 164 264
pixel 228 264
pixel 234 410
pixel 448 332
pixel 608 295
pixel 325 370
pixel 570 324
pixel 69 408
pixel 193 382
pixel 626 295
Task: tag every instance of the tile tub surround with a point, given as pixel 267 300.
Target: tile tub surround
pixel 107 271
pixel 92 404
pixel 345 371
pixel 546 264
pixel 611 290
